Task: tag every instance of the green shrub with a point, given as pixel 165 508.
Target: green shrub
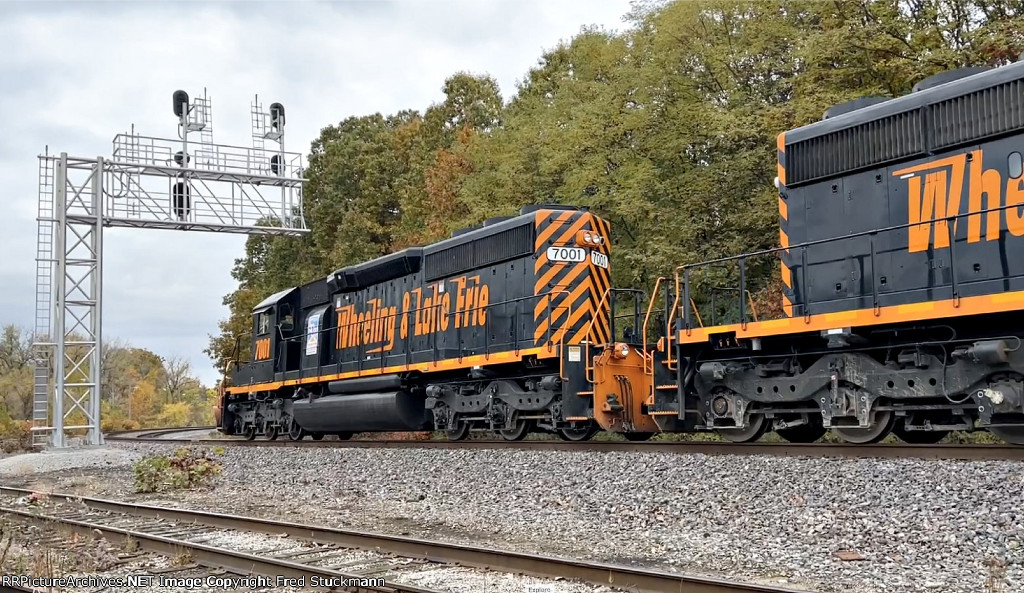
pixel 184 470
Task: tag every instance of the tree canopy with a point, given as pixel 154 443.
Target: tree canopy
pixel 666 128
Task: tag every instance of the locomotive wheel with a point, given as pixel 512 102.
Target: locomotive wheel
pixel 250 432
pixel 316 436
pixel 273 432
pixel 756 426
pixel 876 431
pixel 344 436
pixel 1011 434
pixel 637 437
pixel 804 433
pixel 518 433
pixel 459 433
pixel 295 432
pixel 577 433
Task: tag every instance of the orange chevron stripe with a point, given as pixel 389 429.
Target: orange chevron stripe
pixel 783 209
pixel 583 335
pixel 549 275
pixel 783 238
pixel 566 282
pixel 600 226
pixel 552 228
pixel 787 306
pixel 556 312
pixel 586 285
pixel 590 331
pixel 601 279
pixel 542 260
pixel 568 237
pixel 574 318
pixel 787 276
pixel 602 311
pixel 781 170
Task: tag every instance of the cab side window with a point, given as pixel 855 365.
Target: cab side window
pixel 263 323
pixel 287 322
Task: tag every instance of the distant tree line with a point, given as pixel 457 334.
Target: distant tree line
pixel 138 388
pixel 668 129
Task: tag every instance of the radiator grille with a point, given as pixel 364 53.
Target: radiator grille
pixel 485 251
pixel 869 144
pixel 933 127
pixel 981 114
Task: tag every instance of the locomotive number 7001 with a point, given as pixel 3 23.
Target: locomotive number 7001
pixel 567 254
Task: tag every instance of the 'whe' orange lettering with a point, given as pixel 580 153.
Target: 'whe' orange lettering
pixel 987 184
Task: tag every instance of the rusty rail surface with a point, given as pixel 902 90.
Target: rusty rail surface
pixel 625 577
pixel 941 451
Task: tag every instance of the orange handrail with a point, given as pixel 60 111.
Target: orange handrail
pixel 649 358
pixel 753 309
pixel 696 311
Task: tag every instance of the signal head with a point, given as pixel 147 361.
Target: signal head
pixel 180 103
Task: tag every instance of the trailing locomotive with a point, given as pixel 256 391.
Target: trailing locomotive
pixel 901 221
pixel 485 330
pixel 901 233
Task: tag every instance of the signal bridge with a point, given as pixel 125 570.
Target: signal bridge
pixel 188 183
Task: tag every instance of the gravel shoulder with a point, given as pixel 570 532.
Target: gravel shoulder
pixel 850 525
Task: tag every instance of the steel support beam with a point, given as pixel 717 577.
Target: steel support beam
pixel 150 183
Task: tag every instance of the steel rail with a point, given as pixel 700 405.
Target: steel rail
pixel 909 451
pixel 626 577
pixel 203 555
pixel 153 432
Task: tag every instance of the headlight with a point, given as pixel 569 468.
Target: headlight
pixel 587 238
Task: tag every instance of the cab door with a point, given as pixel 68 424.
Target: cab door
pixel 263 345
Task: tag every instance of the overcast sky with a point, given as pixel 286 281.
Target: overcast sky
pixel 72 75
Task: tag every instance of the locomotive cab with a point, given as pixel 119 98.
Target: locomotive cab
pixel 275 347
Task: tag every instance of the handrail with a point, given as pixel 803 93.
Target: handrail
pixel 696 312
pixel 649 359
pixel 589 369
pixel 236 351
pixel 949 220
pixel 559 334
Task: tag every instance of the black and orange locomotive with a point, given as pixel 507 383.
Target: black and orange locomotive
pixel 903 291
pixel 486 330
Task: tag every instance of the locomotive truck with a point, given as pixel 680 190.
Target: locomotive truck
pixel 902 294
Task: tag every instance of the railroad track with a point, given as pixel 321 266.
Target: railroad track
pixel 321 551
pixel 154 433
pixel 941 451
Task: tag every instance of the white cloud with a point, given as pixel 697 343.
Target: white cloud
pixel 73 76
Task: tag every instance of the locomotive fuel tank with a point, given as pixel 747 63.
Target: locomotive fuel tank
pixel 362 412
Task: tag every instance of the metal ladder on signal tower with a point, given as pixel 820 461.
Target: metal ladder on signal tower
pixel 43 354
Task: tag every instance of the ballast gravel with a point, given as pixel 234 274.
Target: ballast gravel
pixel 825 524
pixel 55 460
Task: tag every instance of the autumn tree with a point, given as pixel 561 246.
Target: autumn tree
pixel 667 129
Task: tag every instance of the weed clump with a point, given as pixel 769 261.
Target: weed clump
pixel 185 469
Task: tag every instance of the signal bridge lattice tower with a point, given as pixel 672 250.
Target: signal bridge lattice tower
pixel 188 183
